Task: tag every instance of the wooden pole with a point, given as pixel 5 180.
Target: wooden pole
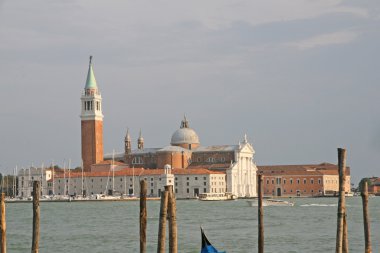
pixel 260 216
pixel 342 199
pixel 173 247
pixel 36 217
pixel 3 226
pixel 162 225
pixel 345 233
pixel 143 216
pixel 367 229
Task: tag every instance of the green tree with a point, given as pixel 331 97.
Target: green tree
pixel 361 183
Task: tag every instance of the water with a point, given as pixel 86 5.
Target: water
pixel 93 227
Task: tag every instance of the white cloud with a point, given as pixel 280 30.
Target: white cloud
pixel 327 39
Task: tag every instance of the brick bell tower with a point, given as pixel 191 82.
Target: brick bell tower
pixel 91 122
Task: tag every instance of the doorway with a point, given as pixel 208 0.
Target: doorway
pixel 196 192
pixel 278 192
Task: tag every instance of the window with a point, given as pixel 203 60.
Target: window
pixel 319 181
pixel 267 181
pixel 291 190
pixel 291 181
pixel 196 178
pixel 151 191
pixel 204 178
pixel 298 181
pixel 187 190
pixel 151 184
pixel 278 180
pixel 284 181
pixel 137 160
pixel 151 179
pixel 312 181
pixel 187 178
pixel 204 183
pixel 272 181
pixel 176 184
pixel 204 190
pixel 198 159
pixel 304 181
pixel 187 183
pixel 222 159
pixel 176 190
pixel 176 178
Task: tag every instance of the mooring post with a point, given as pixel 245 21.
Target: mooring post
pixel 342 199
pixel 3 226
pixel 367 229
pixel 172 209
pixel 143 216
pixel 260 215
pixel 36 217
pixel 163 216
pixel 345 233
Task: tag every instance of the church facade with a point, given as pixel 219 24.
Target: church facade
pixel 186 153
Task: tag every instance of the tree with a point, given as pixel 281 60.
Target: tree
pixel 366 179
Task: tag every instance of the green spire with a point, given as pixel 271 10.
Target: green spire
pixel 91 81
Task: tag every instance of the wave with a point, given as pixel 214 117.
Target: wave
pixel 308 205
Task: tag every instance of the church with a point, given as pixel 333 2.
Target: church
pixel 185 154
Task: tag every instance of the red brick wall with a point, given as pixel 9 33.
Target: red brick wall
pixel 92 142
pixel 293 185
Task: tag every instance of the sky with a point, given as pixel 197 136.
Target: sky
pixel 299 77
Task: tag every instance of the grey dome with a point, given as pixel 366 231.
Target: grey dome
pixel 184 136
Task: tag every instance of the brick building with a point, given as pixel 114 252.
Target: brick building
pixel 302 180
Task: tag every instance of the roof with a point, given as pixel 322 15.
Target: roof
pixel 106 162
pixel 310 169
pixel 115 155
pixel 217 148
pixel 139 172
pixel 173 149
pixel 144 151
pixel 91 81
pixel 184 136
pixel 210 166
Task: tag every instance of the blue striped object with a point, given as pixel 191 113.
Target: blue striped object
pixel 206 245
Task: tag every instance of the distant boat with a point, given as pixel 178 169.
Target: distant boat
pixel 206 245
pixel 270 202
pixel 216 196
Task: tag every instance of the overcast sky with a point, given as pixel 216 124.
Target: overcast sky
pixel 301 78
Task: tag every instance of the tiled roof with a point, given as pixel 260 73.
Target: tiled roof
pixel 109 162
pixel 139 172
pixel 302 169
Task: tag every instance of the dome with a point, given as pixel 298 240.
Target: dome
pixel 184 136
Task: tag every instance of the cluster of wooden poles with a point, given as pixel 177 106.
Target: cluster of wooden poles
pixel 168 212
pixel 341 237
pixel 36 220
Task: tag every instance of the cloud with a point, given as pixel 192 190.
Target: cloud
pixel 323 40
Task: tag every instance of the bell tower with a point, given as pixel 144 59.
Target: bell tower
pixel 127 143
pixel 140 141
pixel 91 121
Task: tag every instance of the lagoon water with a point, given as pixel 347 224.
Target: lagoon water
pixel 98 227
